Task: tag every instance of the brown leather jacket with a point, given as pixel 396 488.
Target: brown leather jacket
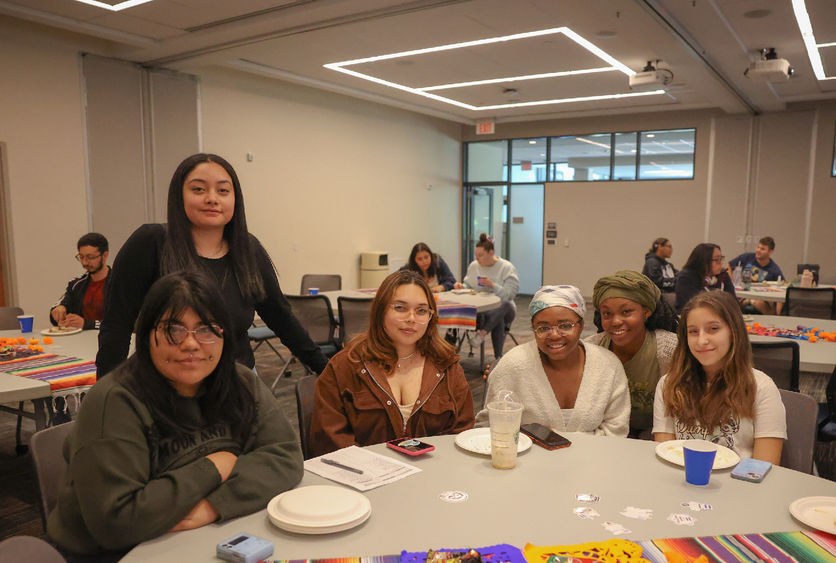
pixel 353 406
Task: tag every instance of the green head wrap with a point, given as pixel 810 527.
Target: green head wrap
pixel 629 285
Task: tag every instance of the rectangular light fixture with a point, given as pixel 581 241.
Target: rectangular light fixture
pixel 426 91
pixel 806 28
pixel 115 7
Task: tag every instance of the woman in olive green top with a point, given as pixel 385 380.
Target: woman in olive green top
pixel 640 329
pixel 177 437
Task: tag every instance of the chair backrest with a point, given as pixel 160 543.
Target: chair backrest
pixel 354 316
pixel 46 447
pixel 802 411
pixel 314 313
pixel 778 360
pixel 814 268
pixel 304 410
pixel 813 302
pixel 325 282
pixel 8 317
pixel 29 549
pixel 669 297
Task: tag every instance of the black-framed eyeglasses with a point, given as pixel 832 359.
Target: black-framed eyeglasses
pixel 563 328
pixel 205 334
pixel 88 257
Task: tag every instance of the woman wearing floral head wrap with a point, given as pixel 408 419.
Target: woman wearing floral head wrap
pixel 638 328
pixel 562 382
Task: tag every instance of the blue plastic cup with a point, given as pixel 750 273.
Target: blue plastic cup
pixel 313 291
pixel 699 460
pixel 26 323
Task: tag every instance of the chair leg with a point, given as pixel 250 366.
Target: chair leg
pixel 282 371
pixel 20 447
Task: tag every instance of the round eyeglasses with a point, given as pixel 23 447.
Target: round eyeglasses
pixel 205 334
pixel 421 314
pixel 562 328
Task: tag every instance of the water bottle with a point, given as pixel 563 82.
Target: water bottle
pixel 747 276
pixel 737 276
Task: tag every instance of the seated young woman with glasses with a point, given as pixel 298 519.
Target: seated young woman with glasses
pixel 703 271
pixel 563 382
pixel 398 379
pixel 179 436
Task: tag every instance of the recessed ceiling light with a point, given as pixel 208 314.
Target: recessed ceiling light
pixel 115 7
pixel 532 142
pixel 755 14
pixel 650 135
pixel 425 91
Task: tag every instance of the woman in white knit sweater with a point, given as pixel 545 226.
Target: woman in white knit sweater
pixel 562 382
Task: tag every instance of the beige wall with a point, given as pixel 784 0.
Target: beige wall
pixel 41 119
pixel 333 176
pixel 754 176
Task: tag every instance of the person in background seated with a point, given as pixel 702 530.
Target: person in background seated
pixel 207 232
pixel 762 268
pixel 712 392
pixel 177 437
pixel 492 274
pixel 702 272
pixel 657 267
pixel 639 328
pixel 431 267
pixel 82 305
pixel 563 382
pixel 399 379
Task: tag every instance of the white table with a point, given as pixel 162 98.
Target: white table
pixel 814 356
pixel 763 292
pixel 15 389
pixel 482 301
pixel 531 503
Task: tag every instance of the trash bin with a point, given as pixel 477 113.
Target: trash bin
pixel 374 267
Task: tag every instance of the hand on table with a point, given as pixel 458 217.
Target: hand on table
pixel 72 320
pixel 224 463
pixel 203 513
pixel 458 285
pixel 59 313
pixel 437 288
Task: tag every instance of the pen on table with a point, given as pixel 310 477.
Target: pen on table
pixel 327 461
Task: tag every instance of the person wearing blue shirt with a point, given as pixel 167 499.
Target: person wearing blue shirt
pixel 762 269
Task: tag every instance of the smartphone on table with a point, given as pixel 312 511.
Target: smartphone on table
pixel 410 446
pixel 752 470
pixel 544 436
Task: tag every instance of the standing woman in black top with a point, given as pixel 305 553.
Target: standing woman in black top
pixel 206 230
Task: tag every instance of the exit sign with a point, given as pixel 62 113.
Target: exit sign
pixel 485 127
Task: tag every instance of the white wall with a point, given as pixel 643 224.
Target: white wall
pixel 41 120
pixel 333 176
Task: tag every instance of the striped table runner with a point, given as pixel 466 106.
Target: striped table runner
pixel 450 314
pixel 804 547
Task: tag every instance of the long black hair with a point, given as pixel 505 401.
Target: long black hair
pixel 700 259
pixel 225 396
pixel 178 252
pixel 413 265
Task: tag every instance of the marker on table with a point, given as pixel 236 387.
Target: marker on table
pixel 327 461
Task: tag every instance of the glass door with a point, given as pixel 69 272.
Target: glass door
pixel 487 212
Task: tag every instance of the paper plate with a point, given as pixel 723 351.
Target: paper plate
pixel 56 331
pixel 816 512
pixel 478 441
pixel 672 451
pixel 319 509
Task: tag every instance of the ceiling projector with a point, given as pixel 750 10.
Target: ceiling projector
pixel 769 69
pixel 649 81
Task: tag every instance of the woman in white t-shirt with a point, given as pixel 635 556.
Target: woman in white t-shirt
pixel 712 392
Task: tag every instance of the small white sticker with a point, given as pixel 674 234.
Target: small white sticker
pixel 682 519
pixel 453 496
pixel 587 497
pixel 585 513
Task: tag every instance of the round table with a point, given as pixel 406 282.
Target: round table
pixel 533 502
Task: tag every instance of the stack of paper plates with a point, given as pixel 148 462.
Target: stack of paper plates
pixel 319 509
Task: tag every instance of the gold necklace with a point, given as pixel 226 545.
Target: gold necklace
pixel 406 358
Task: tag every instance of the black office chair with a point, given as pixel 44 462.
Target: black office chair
pixel 46 447
pixel 812 302
pixel 778 360
pixel 324 282
pixel 305 388
pixel 799 447
pixel 354 313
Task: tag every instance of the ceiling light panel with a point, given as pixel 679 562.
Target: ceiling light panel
pixel 112 5
pixel 452 73
pixel 804 18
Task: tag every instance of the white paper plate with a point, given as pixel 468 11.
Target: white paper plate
pixel 478 441
pixel 60 332
pixel 672 451
pixel 816 512
pixel 319 509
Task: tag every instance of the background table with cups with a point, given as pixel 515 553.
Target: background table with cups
pixel 534 502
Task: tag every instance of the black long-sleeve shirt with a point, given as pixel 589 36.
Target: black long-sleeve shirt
pixel 689 283
pixel 137 267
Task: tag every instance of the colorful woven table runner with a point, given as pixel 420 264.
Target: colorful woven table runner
pixel 804 547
